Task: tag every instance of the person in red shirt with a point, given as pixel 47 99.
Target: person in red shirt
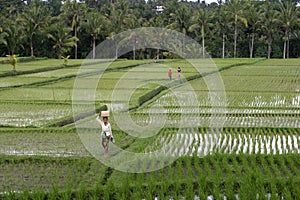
pixel 170 74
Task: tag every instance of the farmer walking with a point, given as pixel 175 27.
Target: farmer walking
pixel 106 133
pixel 170 74
pixel 179 73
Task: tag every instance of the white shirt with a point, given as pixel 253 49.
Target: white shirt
pixel 106 127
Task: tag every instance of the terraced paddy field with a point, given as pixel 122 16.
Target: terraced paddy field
pixel 234 139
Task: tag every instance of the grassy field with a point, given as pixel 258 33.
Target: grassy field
pixel 240 141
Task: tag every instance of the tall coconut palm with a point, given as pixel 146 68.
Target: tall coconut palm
pixel 62 38
pixel 2 34
pixel 119 15
pixel 235 9
pixel 158 21
pixel 288 19
pixel 223 25
pixel 120 12
pixel 254 17
pixel 13 35
pixel 269 24
pixel 201 22
pixel 133 22
pixel 180 20
pixel 74 10
pixel 33 18
pixel 96 25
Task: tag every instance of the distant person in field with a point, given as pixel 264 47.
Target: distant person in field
pixel 179 73
pixel 170 74
pixel 106 133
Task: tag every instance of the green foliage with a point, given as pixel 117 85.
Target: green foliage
pixel 66 60
pixel 231 29
pixel 12 60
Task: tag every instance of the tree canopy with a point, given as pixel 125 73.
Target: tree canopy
pixel 234 28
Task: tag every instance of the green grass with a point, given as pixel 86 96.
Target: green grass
pixel 187 177
pixel 36 65
pixel 46 174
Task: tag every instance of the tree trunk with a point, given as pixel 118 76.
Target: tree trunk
pixel 134 47
pixel 252 45
pixel 223 46
pixel 94 47
pixel 182 47
pixel 116 50
pixel 269 48
pixel 288 46
pixel 203 49
pixel 203 42
pixel 31 48
pixel 285 45
pixel 235 37
pixel 158 46
pixel 75 32
pixel 133 51
pixel 284 48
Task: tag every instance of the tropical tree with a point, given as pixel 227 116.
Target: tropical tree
pixel 180 19
pixel 201 22
pixel 158 20
pixel 2 35
pixel 254 17
pixel 288 20
pixel 12 35
pixel 62 38
pixel 75 10
pixel 235 8
pixel 119 17
pixel 222 25
pixel 96 25
pixel 33 18
pixel 269 24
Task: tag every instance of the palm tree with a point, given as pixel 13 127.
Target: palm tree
pixel 254 16
pixel 269 24
pixel 34 17
pixel 235 8
pixel 201 20
pixel 62 38
pixel 74 10
pixel 96 25
pixel 223 25
pixel 288 19
pixel 158 20
pixel 2 35
pixel 12 35
pixel 119 16
pixel 120 12
pixel 180 20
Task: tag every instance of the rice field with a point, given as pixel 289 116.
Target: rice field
pixel 238 141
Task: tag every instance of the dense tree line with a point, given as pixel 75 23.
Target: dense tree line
pixel 235 28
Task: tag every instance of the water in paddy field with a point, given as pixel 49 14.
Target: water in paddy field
pixel 201 144
pixel 248 121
